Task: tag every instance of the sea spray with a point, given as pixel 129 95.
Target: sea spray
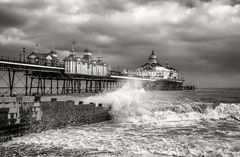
pixel 124 102
pixel 132 103
pixel 225 110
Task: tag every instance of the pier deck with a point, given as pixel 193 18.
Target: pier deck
pixel 23 78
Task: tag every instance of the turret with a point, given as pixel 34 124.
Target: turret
pixel 87 55
pixel 99 60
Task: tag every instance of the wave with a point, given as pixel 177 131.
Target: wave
pixel 132 103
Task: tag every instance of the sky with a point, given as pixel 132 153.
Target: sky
pixel 200 38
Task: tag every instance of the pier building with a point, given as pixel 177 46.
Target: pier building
pixel 44 74
pixel 80 72
pixel 154 70
pixel 48 59
pixel 87 65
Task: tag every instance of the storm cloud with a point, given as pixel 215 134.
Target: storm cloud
pixel 199 37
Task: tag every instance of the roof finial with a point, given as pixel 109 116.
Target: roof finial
pixel 73 46
pixel 86 50
pixel 153 52
pixel 167 65
pixel 36 47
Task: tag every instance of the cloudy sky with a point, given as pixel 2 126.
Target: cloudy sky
pixel 201 38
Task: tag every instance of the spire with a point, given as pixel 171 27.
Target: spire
pixel 86 50
pixel 167 65
pixel 153 53
pixel 36 47
pixel 73 46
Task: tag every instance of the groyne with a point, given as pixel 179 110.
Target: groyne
pixel 22 115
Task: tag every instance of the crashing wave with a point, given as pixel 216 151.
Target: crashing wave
pixel 132 103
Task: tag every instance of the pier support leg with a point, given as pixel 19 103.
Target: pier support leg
pixel 30 91
pixel 79 86
pixel 51 86
pixel 64 86
pixel 72 89
pixel 95 86
pixel 86 86
pixel 38 84
pixel 11 81
pixel 44 86
pixel 75 86
pixel 67 86
pixel 41 84
pixel 26 83
pixel 57 86
pixel 100 86
pixel 91 86
pixel 107 85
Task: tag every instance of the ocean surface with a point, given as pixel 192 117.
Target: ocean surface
pixel 204 122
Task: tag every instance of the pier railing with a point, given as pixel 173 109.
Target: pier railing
pixel 24 61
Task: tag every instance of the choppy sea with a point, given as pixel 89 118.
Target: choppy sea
pixel 204 122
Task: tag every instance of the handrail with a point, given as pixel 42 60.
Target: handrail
pixel 16 60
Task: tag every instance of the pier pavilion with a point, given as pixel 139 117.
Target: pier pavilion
pixel 43 74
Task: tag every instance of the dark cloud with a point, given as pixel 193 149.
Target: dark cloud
pixel 198 37
pixel 32 5
pixel 10 17
pixel 17 13
pixel 25 5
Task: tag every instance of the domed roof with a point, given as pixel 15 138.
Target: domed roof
pixel 153 56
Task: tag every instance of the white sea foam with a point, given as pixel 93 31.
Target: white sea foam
pixel 148 124
pixel 132 103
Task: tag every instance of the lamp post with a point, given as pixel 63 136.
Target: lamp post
pixel 24 54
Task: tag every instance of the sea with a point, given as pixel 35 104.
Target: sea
pixel 204 122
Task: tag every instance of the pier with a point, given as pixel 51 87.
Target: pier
pixel 43 74
pixel 27 79
pixel 23 78
pixel 24 81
